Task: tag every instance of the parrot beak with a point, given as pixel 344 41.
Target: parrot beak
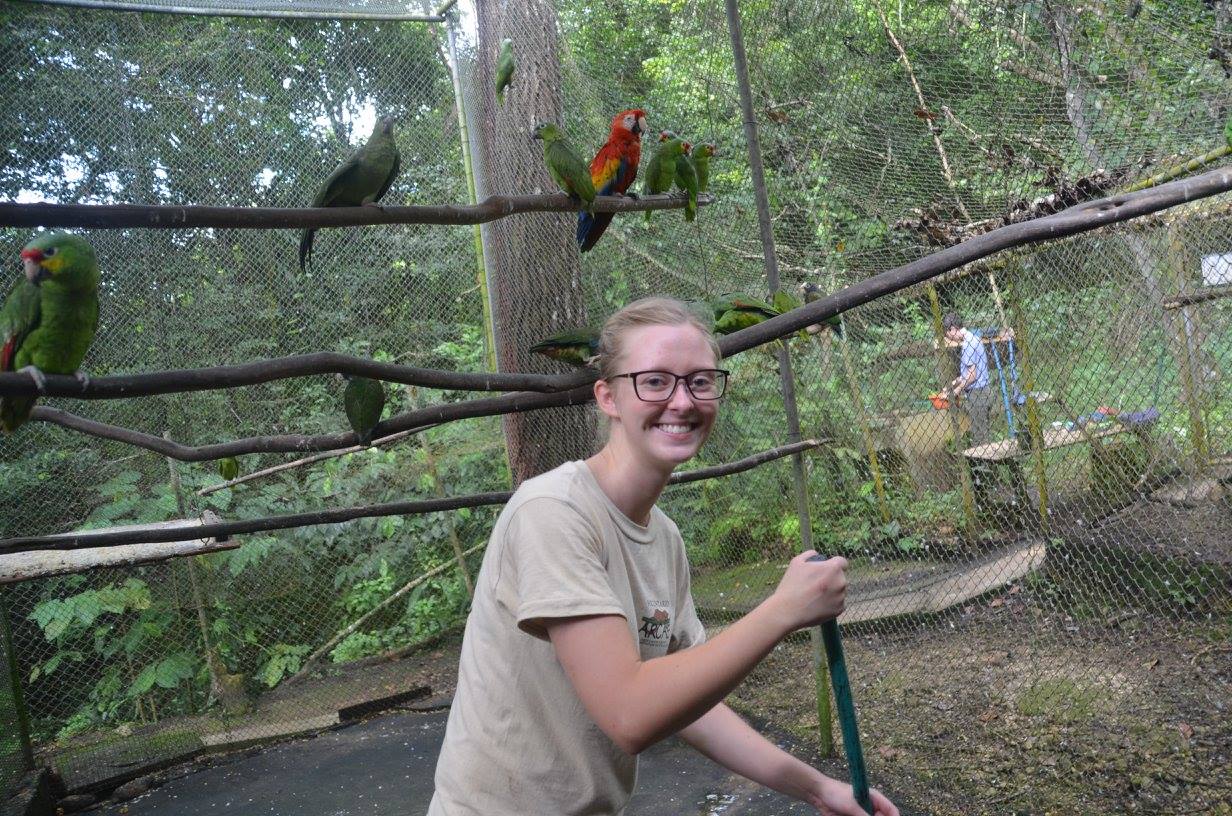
pixel 36 273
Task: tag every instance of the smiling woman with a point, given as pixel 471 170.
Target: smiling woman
pixel 583 645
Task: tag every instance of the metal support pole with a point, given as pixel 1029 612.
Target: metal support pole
pixel 787 379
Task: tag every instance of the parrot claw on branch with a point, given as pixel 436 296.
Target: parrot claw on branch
pixel 40 381
pixel 83 378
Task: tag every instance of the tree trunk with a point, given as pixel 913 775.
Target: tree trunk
pixel 532 260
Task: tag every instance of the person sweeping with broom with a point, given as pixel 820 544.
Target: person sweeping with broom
pixel 583 647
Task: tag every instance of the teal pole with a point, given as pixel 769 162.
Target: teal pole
pixel 839 681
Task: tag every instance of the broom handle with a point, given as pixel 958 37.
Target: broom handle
pixel 833 641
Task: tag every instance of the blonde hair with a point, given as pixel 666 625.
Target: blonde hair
pixel 650 311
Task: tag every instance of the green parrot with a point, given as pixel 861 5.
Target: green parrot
pixel 359 181
pixel 784 301
pixel 578 347
pixel 504 69
pixel 565 164
pixel 228 468
pixel 686 180
pixel 701 156
pixel 661 169
pixel 364 400
pixel 734 312
pixel 813 292
pixel 49 316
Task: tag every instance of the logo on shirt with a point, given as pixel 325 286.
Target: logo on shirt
pixel 656 628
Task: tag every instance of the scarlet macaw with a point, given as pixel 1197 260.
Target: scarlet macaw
pixel 613 170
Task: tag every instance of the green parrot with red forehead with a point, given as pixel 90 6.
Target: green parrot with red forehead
pixel 49 316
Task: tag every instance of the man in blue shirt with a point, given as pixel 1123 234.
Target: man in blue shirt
pixel 972 380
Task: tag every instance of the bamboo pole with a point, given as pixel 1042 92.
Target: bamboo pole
pixel 481 272
pixel 770 260
pixel 943 367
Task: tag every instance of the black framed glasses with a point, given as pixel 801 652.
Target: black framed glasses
pixel 658 386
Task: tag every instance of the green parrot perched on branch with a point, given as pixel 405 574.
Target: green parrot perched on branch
pixel 228 468
pixel 813 292
pixel 733 312
pixel 363 400
pixel 49 316
pixel 363 179
pixel 504 69
pixel 686 180
pixel 701 156
pixel 578 347
pixel 565 164
pixel 661 169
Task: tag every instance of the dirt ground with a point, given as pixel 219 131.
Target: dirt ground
pixel 1003 709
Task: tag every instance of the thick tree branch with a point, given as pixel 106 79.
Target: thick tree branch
pixel 1080 218
pixel 227 529
pixel 307 460
pixel 492 208
pixel 281 368
pixel 297 443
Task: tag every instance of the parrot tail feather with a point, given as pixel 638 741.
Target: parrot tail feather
pixel 305 249
pixel 14 411
pixel 596 226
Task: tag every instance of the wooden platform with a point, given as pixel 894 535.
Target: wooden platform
pixel 926 594
pixel 948 589
pixel 1053 438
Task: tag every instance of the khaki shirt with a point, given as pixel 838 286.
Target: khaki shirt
pixel 519 741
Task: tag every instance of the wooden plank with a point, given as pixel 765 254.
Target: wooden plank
pixel 24 566
pixel 948 590
pixel 1053 438
pixel 262 732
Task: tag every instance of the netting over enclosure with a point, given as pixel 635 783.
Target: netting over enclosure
pixel 1023 596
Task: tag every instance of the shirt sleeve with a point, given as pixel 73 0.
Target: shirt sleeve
pixel 552 567
pixel 688 630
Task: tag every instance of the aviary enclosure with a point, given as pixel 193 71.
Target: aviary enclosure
pixel 1037 624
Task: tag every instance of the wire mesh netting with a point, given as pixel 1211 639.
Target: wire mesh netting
pixel 303 9
pixel 1037 573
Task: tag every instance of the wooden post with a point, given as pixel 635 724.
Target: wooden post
pixel 1191 389
pixel 786 377
pixel 1034 427
pixel 943 367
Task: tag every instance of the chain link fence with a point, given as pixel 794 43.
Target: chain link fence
pixel 1017 604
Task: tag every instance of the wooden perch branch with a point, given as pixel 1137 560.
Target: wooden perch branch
pixel 297 443
pixel 492 208
pixel 307 460
pixel 1080 218
pixel 1201 296
pixel 281 368
pixel 227 529
pixel 1083 217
